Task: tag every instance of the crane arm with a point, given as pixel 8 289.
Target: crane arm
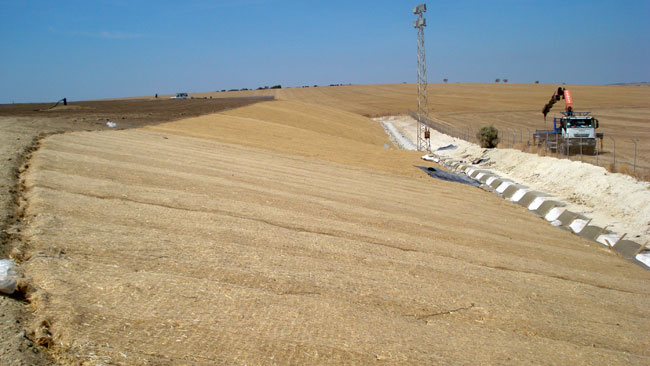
pixel 560 93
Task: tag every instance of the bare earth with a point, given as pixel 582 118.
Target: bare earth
pixel 285 233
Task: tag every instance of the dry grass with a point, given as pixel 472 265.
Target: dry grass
pixel 625 169
pixel 622 110
pixel 283 233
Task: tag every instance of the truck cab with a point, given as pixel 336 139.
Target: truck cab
pixel 583 126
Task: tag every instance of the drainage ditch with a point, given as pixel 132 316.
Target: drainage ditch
pixel 543 206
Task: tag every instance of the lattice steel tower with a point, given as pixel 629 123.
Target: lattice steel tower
pixel 423 109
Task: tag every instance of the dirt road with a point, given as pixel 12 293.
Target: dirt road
pixel 255 237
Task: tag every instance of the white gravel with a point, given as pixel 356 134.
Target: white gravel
pixel 610 199
pixel 397 137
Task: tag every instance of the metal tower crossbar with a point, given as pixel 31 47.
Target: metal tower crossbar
pixel 423 142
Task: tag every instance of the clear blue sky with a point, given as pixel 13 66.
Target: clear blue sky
pixel 99 49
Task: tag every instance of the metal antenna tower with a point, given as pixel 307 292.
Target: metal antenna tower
pixel 424 143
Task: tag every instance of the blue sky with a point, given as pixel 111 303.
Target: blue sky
pixel 101 49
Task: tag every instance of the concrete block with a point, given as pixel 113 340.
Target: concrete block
pixel 511 190
pixel 568 216
pixel 591 232
pixel 545 207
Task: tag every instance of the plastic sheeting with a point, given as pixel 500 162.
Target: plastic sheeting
pixel 450 177
pixel 7 276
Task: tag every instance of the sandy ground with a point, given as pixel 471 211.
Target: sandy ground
pixel 285 233
pixel 15 140
pixel 616 200
pixel 21 128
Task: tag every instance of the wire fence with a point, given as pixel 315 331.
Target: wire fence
pixel 605 154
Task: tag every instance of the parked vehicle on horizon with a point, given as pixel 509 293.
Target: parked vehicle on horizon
pixel 180 96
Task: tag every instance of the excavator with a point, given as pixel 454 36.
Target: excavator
pixel 573 132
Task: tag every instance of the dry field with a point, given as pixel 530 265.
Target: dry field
pixel 284 233
pixel 623 111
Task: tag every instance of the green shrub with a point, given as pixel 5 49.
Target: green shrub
pixel 488 136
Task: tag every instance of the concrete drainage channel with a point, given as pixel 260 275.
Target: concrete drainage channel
pixel 542 205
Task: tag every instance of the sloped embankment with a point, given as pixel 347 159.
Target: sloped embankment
pixel 244 237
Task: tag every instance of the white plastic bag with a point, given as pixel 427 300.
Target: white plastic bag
pixel 7 276
pixel 111 124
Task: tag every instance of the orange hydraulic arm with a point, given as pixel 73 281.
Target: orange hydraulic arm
pixel 560 93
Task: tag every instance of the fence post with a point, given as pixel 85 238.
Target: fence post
pixel 614 141
pixel 634 169
pixel 581 160
pixel 568 149
pixel 546 145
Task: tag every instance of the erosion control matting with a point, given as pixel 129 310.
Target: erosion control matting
pixel 306 243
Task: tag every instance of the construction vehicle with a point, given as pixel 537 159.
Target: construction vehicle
pixel 572 133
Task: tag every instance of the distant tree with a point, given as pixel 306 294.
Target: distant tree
pixel 445 80
pixel 497 80
pixel 536 81
pixel 276 86
pixel 505 80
